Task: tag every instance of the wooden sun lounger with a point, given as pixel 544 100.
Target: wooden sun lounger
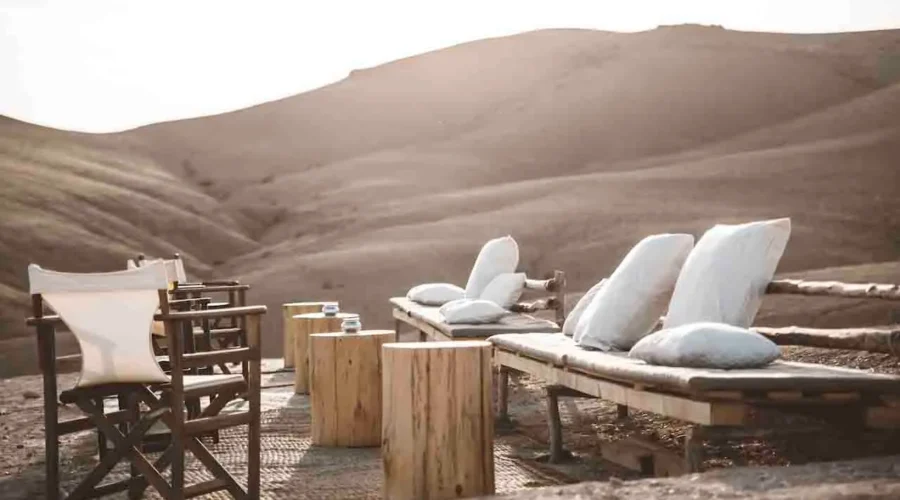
pixel 430 325
pixel 718 402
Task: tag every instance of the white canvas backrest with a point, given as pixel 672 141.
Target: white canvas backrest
pixel 174 269
pixel 110 315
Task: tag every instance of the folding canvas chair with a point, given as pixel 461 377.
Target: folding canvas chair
pixel 212 334
pixel 110 315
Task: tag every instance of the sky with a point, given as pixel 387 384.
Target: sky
pixel 111 65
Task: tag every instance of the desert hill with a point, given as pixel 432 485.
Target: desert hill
pixel 69 206
pixel 578 143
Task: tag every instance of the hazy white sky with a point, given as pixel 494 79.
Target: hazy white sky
pixel 110 65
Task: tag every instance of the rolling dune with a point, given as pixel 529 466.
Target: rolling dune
pixel 578 143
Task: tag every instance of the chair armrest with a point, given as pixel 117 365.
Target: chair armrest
pixel 44 320
pixel 196 300
pixel 230 312
pixel 209 358
pixel 209 288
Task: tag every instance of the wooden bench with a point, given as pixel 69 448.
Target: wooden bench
pixel 430 325
pixel 718 402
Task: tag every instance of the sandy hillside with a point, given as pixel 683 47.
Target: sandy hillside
pixel 578 143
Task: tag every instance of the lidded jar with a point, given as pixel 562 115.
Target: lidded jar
pixel 330 309
pixel 351 324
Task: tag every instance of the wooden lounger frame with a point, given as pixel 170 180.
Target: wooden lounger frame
pixel 724 414
pixel 554 288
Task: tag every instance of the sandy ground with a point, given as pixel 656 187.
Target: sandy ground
pixel 867 464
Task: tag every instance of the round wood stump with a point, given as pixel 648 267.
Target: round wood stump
pixel 345 387
pixel 289 327
pixel 437 422
pixel 306 325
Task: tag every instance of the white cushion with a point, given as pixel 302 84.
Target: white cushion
pixel 706 345
pixel 472 312
pixel 435 294
pixel 574 315
pixel 635 295
pixel 497 256
pixel 505 289
pixel 726 275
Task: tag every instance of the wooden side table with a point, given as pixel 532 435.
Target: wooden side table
pixel 345 387
pixel 437 423
pixel 289 326
pixel 306 325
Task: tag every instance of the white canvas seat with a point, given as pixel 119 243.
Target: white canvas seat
pixel 109 314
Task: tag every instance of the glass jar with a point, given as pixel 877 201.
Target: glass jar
pixel 330 309
pixel 351 324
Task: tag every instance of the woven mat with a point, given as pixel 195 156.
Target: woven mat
pixel 292 469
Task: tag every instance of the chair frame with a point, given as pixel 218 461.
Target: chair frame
pixel 127 426
pixel 232 335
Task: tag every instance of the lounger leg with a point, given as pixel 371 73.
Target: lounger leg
pixel 503 396
pixel 501 378
pixel 557 452
pixel 693 448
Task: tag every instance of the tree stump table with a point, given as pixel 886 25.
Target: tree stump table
pixel 289 326
pixel 437 423
pixel 306 325
pixel 345 387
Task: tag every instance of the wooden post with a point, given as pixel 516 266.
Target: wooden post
pixel 345 387
pixel 288 311
pixel 306 325
pixel 438 424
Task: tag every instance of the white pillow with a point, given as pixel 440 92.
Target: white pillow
pixel 472 312
pixel 635 295
pixel 497 256
pixel 505 289
pixel 568 327
pixel 706 345
pixel 726 275
pixel 435 294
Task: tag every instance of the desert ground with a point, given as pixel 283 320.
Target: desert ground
pixel 578 143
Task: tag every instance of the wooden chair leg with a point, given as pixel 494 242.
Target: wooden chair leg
pixel 134 414
pixel 101 438
pixel 47 358
pixel 255 428
pixel 124 446
pixel 397 324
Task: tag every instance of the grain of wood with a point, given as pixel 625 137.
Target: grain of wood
pixel 345 387
pixel 289 326
pixel 306 325
pixel 437 439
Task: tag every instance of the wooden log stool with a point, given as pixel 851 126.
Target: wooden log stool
pixel 289 326
pixel 306 325
pixel 437 423
pixel 345 387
